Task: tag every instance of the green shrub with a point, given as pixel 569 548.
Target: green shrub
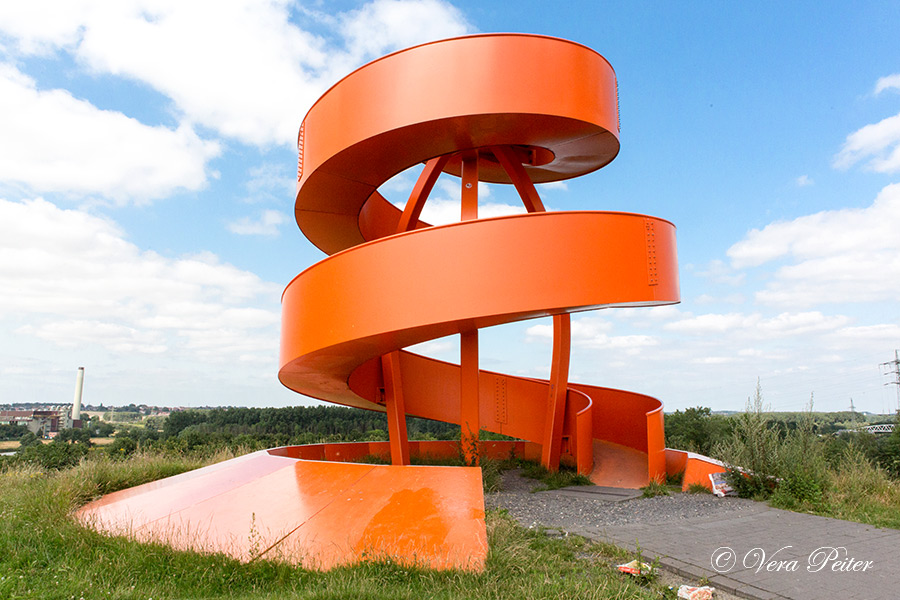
pixel 804 469
pixel 696 429
pixel 122 447
pixel 753 452
pixel 790 467
pixel 55 455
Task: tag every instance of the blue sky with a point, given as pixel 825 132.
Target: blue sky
pixel 147 169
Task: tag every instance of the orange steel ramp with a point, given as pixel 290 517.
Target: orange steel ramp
pixel 618 466
pixel 317 514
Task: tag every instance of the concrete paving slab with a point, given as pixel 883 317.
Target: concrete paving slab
pixel 597 492
pixel 769 553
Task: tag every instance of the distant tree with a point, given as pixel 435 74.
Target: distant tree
pixel 696 429
pixel 122 447
pixel 103 430
pixel 11 432
pixel 29 439
pixel 76 436
pixel 55 455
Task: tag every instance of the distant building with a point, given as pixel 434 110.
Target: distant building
pixel 44 422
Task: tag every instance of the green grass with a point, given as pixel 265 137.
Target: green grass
pixel 45 554
pixel 552 480
pixel 859 491
pixel 655 488
pixel 698 488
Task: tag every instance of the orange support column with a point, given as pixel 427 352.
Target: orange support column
pixel 556 398
pixel 469 420
pixel 420 193
pixel 396 410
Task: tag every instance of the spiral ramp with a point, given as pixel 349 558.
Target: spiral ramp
pixel 501 108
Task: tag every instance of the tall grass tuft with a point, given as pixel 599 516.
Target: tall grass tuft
pixel 553 480
pixel 861 491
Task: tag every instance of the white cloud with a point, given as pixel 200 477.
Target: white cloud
pixel 267 224
pixel 712 323
pixel 255 73
pixel 553 185
pixel 803 181
pixel 385 25
pixel 719 272
pixel 445 347
pixel 878 143
pixel 592 332
pixel 884 334
pixel 442 212
pixel 713 360
pixel 756 326
pixel 115 337
pixel 649 313
pixel 729 299
pixel 53 142
pixel 76 281
pixel 847 255
pixel 890 82
pixel 270 181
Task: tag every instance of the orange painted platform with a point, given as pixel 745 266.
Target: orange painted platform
pixel 317 514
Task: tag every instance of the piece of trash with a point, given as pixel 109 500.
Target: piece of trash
pixel 720 485
pixel 636 568
pixel 689 592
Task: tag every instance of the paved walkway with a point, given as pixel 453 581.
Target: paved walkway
pixel 766 553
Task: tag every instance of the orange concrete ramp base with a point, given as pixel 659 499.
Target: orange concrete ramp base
pixel 316 514
pixel 619 466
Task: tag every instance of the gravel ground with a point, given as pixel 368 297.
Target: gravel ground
pixel 575 515
pixel 585 516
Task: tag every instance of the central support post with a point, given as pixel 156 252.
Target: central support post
pixel 556 397
pixel 469 420
pixel 551 447
pixel 396 409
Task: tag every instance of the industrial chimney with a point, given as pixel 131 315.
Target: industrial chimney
pixel 76 408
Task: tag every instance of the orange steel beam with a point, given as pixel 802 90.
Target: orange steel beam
pixel 470 423
pixel 556 396
pixel 516 172
pixel 422 189
pixel 525 109
pixel 396 411
pixel 559 370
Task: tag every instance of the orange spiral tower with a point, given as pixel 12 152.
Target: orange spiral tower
pixel 503 108
pixel 516 109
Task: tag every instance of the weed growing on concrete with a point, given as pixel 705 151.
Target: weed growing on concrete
pixel 655 488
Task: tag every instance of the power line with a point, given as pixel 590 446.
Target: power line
pixel 892 367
